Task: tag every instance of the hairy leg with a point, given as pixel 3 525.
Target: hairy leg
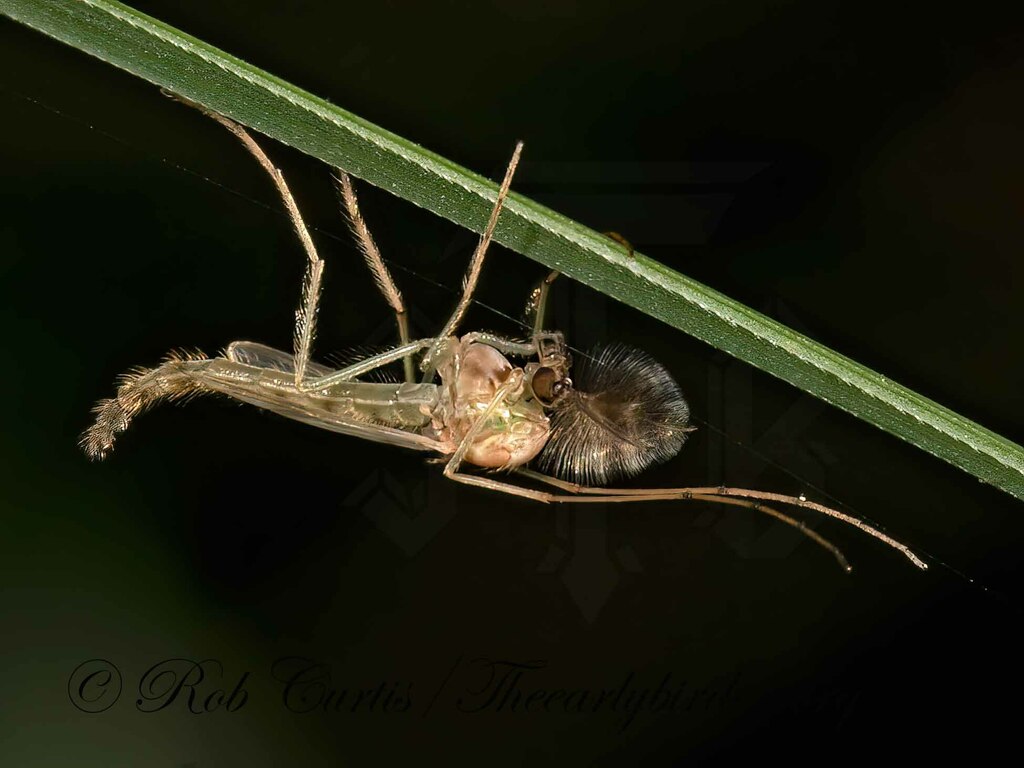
pixel 475 265
pixel 371 254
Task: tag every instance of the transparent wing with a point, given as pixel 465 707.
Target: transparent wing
pixel 260 386
pixel 261 356
pixel 395 414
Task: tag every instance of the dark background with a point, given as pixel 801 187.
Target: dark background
pixel 853 170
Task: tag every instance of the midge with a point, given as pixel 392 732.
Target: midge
pixel 514 407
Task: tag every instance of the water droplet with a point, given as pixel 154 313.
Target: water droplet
pixel 802 497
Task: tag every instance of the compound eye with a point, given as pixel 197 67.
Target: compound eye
pixel 546 386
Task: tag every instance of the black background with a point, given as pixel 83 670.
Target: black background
pixel 852 170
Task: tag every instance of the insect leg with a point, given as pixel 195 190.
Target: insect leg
pixel 718 494
pixel 305 316
pixel 818 539
pixel 319 376
pixel 381 274
pixel 537 304
pixel 503 345
pixel 475 265
pixel 581 494
pixel 578 496
pixel 354 371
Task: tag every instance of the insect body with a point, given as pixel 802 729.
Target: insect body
pixel 512 406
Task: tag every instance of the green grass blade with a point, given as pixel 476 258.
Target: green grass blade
pixel 166 57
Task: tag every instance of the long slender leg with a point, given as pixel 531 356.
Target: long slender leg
pixel 536 307
pixel 320 377
pixel 542 496
pixel 381 274
pixel 475 265
pixel 305 316
pixel 725 492
pixel 503 345
pixel 810 533
pixel 356 370
pixel 800 526
pixel 581 494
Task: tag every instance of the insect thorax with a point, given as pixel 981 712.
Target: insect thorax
pixel 516 429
